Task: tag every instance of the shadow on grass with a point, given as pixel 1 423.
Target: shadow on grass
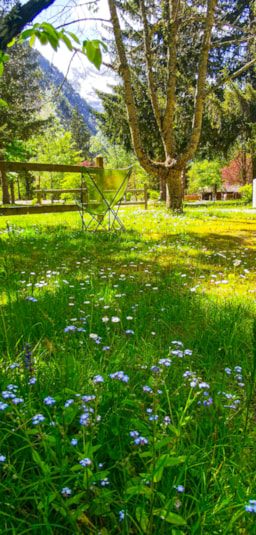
pixel 84 276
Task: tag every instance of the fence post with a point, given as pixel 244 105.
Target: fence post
pixel 84 195
pixel 146 195
pixel 99 162
pixel 39 198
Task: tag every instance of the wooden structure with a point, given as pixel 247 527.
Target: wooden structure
pixel 16 167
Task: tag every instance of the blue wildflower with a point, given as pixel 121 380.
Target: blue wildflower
pixel 140 441
pixel 179 488
pixel 49 400
pixel 70 328
pixel 98 379
pixel 68 403
pixel 37 419
pixel 134 434
pixel 66 491
pixel 85 462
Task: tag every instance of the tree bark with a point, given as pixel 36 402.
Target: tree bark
pixel 12 192
pixel 14 22
pixel 174 190
pixel 5 192
pixel 253 156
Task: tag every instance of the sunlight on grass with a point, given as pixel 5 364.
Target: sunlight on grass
pixel 127 374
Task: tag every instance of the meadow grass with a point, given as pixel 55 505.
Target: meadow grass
pixel 127 375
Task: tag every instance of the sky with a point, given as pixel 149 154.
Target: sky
pixel 82 74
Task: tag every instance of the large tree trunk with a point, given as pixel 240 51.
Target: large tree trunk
pixel 12 192
pixel 244 169
pixel 174 190
pixel 162 189
pixel 5 192
pixel 253 156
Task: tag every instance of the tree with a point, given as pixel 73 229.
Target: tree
pixel 239 171
pixel 203 174
pixel 19 87
pixel 53 146
pixel 177 41
pixel 80 133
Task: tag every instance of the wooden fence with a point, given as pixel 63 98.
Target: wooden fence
pixel 45 167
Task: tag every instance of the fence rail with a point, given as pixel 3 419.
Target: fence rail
pixel 45 167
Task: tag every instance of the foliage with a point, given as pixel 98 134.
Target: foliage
pixel 167 73
pixel 240 168
pixel 204 173
pixel 13 21
pixel 246 192
pixel 19 118
pixel 54 146
pixel 115 156
pixel 111 422
pixel 80 133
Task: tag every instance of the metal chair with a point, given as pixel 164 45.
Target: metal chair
pixel 105 189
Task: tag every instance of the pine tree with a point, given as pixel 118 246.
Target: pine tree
pixel 19 88
pixel 80 133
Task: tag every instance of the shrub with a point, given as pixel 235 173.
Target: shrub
pixel 153 194
pixel 246 192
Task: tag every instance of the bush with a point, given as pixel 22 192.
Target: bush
pixel 246 192
pixel 153 194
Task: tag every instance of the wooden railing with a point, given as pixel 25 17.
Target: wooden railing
pixel 45 167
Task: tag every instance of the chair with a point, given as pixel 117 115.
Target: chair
pixel 105 189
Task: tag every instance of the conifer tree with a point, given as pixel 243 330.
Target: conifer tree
pixel 80 133
pixel 19 88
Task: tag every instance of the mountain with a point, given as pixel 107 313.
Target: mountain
pixel 66 97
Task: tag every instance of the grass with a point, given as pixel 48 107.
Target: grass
pixel 127 375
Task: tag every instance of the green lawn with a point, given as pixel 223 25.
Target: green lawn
pixel 127 374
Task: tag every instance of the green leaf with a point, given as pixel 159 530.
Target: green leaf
pixel 53 40
pixel 97 58
pixel 32 40
pixel 168 516
pixel 75 499
pixel 164 461
pixel 158 445
pixel 142 518
pixel 37 459
pixel 66 40
pixel 2 102
pixel 74 37
pixel 1 72
pixel 42 38
pixel 27 33
pixel 12 42
pixel 69 416
pixel 90 51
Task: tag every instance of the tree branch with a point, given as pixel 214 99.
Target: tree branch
pixel 200 88
pixel 230 77
pixel 129 98
pixel 148 57
pixel 173 25
pixel 14 22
